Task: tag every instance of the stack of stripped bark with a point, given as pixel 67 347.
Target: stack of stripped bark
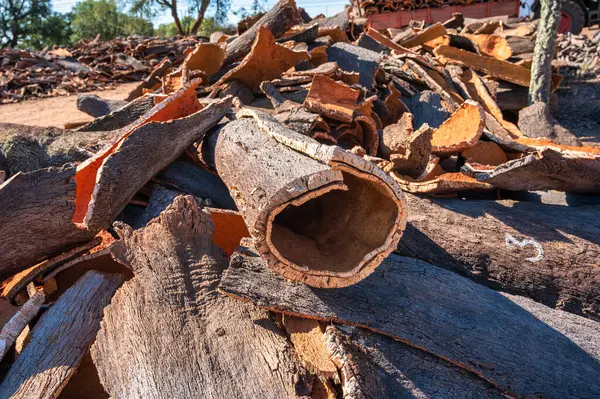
pixel 369 7
pixel 249 228
pixel 90 65
pixel 580 55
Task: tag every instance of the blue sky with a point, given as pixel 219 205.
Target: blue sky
pixel 313 7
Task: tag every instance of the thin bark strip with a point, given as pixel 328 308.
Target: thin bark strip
pixel 448 316
pixel 60 339
pixel 279 19
pixel 167 332
pixel 299 201
pixel 498 69
pixel 569 171
pixel 473 241
pixel 36 211
pixel 376 366
pixel 26 313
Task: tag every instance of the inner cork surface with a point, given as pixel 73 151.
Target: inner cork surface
pixel 334 232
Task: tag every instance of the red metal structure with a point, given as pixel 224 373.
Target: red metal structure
pixel 432 15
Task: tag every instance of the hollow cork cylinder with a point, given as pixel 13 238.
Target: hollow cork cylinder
pixel 318 214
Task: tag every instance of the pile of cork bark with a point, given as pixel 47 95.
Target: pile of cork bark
pixel 288 214
pixel 90 65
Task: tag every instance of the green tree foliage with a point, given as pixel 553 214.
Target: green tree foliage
pixel 256 7
pixel 51 29
pixel 92 17
pixel 19 17
pixel 208 26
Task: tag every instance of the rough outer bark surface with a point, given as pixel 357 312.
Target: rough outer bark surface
pixel 167 332
pixel 95 106
pixel 426 107
pixel 26 313
pixel 60 339
pixel 141 155
pixel 376 366
pixel 28 148
pixel 36 211
pixel 569 171
pixel 277 168
pixel 121 117
pixel 472 241
pixel 279 19
pixel 543 53
pixel 190 178
pixel 448 316
pixel 351 58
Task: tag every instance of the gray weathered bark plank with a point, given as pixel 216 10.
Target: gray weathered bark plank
pixel 36 211
pixel 522 347
pixel 121 117
pixel 28 148
pixel 472 241
pixel 167 332
pixel 375 366
pixel 60 339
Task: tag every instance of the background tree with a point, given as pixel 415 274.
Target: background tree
pixel 17 18
pixel 545 47
pixel 196 9
pixel 92 17
pixel 48 30
pixel 256 7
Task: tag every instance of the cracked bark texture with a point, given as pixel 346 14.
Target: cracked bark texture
pixel 60 339
pixel 448 316
pixel 543 53
pixel 36 211
pixel 167 332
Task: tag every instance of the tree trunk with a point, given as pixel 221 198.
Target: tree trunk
pixel 445 315
pixel 176 18
pixel 195 343
pixel 320 214
pixel 200 17
pixel 545 47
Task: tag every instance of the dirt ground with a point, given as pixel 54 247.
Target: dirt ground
pixel 56 111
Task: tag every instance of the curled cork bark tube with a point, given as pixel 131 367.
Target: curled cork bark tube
pixel 317 213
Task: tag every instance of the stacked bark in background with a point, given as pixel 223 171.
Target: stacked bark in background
pixel 229 233
pixel 381 6
pixel 580 54
pixel 90 65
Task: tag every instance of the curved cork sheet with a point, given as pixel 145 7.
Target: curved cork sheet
pixel 180 104
pixel 332 99
pixel 206 57
pixel 266 61
pixel 380 225
pixel 461 131
pixel 485 153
